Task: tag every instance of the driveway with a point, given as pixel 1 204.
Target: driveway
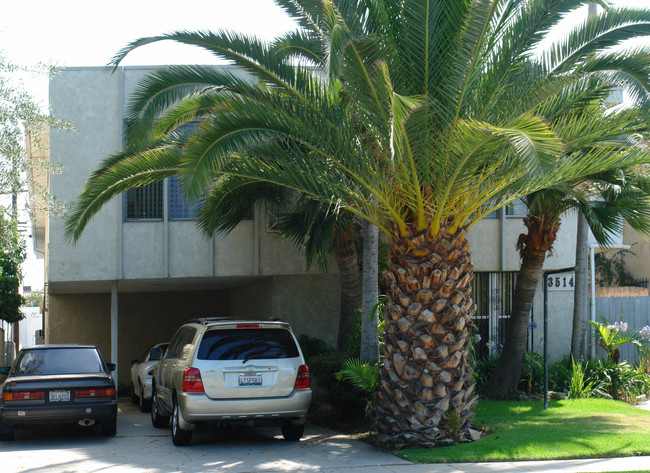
pixel 138 447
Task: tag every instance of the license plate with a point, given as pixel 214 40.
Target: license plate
pixel 59 396
pixel 250 379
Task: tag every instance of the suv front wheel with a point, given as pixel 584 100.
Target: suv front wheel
pixel 180 436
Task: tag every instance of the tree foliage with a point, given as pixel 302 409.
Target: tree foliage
pixel 12 254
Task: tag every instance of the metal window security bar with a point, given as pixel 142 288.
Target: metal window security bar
pixel 144 203
pixel 492 293
pixel 180 208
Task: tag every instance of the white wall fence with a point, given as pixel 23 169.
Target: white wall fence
pixel 635 311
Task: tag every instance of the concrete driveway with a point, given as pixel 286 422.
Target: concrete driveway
pixel 138 447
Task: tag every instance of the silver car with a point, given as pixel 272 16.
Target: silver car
pixel 224 370
pixel 142 374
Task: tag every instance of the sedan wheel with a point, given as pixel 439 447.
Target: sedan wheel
pixel 6 431
pixel 144 404
pixel 109 428
pixel 134 396
pixel 159 421
pixel 180 436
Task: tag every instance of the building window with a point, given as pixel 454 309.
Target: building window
pixel 144 203
pixel 492 294
pixel 180 208
pixel 516 209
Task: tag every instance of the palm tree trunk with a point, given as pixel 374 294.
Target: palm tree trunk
pixel 350 280
pixel 426 395
pixel 369 317
pixel 578 335
pixel 505 378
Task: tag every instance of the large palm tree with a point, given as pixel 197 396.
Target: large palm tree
pixel 427 122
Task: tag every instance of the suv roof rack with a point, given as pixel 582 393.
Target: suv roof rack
pixel 209 320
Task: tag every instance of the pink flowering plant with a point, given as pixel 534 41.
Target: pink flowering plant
pixel 612 336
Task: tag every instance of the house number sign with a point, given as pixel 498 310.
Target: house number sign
pixel 561 282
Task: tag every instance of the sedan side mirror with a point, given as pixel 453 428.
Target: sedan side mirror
pixel 5 370
pixel 111 366
pixel 155 354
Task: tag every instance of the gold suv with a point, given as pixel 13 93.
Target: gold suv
pixel 225 370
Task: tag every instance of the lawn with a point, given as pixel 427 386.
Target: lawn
pixel 581 428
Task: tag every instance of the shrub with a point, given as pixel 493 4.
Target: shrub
pixel 362 375
pixel 559 375
pixel 532 373
pixel 620 381
pixel 345 401
pixel 580 385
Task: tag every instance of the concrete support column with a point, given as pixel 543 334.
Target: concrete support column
pixel 114 327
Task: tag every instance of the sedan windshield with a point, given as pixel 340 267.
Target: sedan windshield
pixel 58 361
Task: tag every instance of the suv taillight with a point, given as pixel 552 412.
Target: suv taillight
pixel 302 380
pixel 192 382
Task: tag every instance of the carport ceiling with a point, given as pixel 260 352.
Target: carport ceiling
pixel 151 285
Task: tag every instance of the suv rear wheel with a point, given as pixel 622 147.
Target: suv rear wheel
pixel 293 432
pixel 180 436
pixel 159 421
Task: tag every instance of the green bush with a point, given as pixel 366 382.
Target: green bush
pixel 312 346
pixel 580 385
pixel 345 400
pixel 483 369
pixel 559 375
pixel 363 375
pixel 620 381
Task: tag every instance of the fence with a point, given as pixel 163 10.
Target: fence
pixel 634 310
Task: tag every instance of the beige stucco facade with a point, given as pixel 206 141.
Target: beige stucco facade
pixel 639 263
pixel 150 276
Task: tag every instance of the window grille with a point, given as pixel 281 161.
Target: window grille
pixel 516 209
pixel 180 207
pixel 492 294
pixel 144 203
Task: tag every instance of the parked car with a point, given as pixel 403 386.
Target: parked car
pixel 224 370
pixel 142 374
pixel 58 384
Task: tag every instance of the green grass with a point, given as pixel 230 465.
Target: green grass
pixel 581 428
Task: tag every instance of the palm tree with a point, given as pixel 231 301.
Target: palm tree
pixel 605 199
pixel 428 121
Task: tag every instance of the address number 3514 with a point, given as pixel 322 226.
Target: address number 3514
pixel 560 282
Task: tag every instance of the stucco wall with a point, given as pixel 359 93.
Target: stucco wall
pixel 309 303
pixel 638 265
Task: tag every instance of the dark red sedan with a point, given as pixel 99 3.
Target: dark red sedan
pixel 58 384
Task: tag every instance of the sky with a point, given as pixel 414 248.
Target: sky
pixel 73 33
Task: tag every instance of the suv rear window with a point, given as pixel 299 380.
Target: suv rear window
pixel 247 344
